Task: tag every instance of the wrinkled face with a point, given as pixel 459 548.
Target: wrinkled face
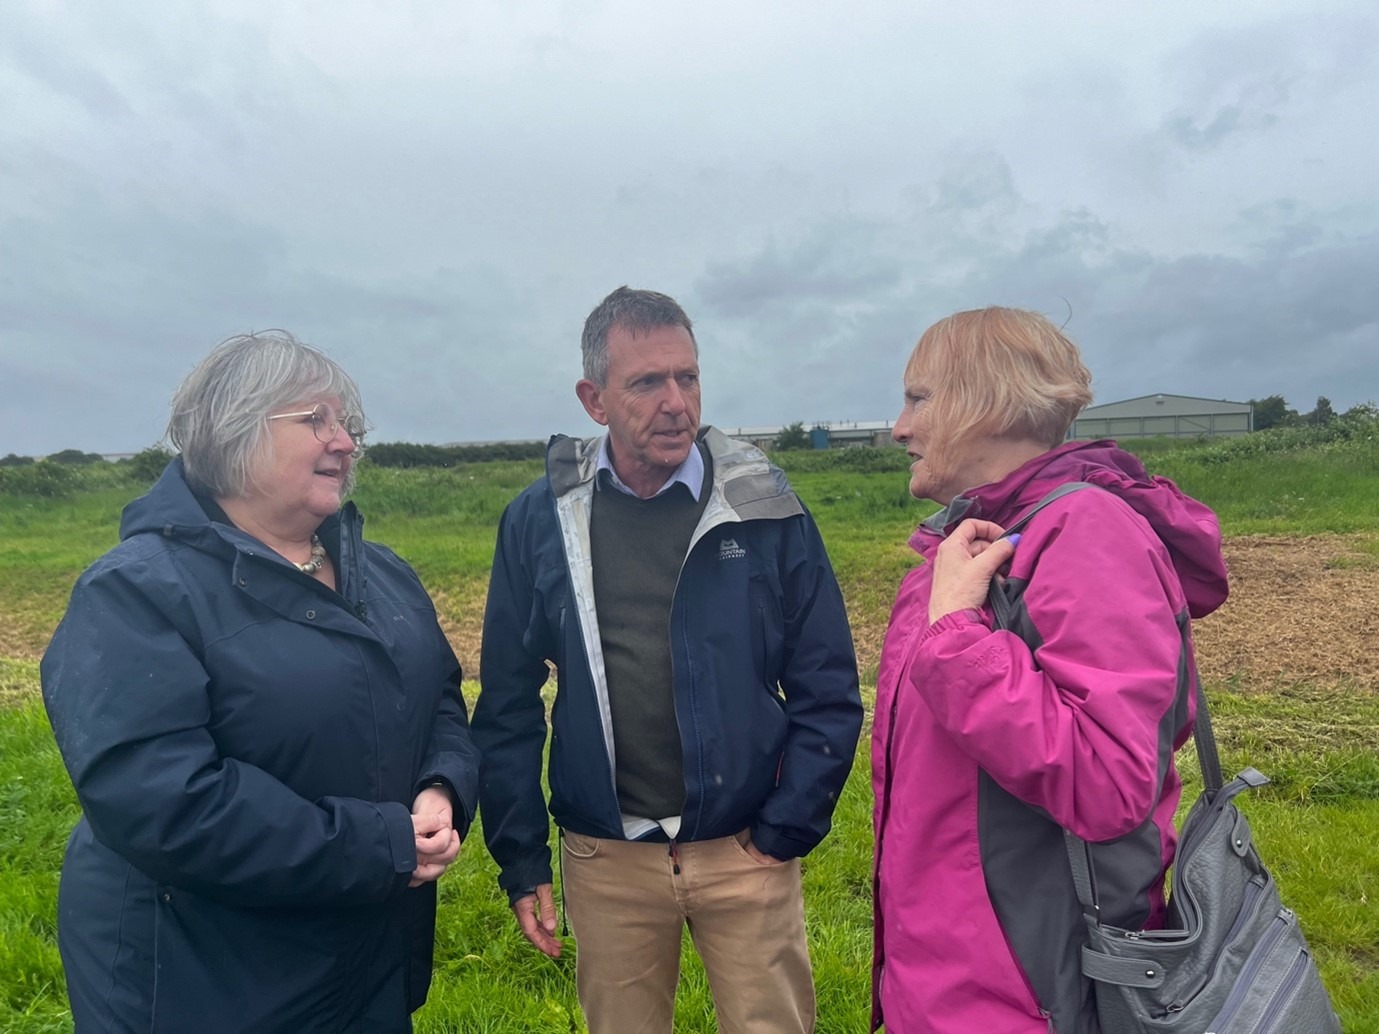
pixel 941 467
pixel 650 404
pixel 302 479
pixel 912 430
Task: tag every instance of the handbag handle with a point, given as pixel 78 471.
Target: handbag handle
pixel 1203 737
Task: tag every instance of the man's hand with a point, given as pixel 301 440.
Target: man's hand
pixel 536 916
pixel 759 856
pixel 437 840
pixel 965 564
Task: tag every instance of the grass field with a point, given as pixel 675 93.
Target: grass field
pixel 1317 736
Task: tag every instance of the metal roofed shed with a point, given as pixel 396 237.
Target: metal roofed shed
pixel 1167 416
pixel 823 434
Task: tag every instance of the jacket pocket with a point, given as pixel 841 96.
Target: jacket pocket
pixel 222 968
pixel 768 639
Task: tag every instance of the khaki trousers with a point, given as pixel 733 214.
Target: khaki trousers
pixel 627 907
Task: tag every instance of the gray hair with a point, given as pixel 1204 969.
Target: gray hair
pixel 637 312
pixel 219 418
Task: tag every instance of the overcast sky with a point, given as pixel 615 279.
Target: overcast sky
pixel 438 193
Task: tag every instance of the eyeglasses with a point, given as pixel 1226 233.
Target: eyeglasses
pixel 325 422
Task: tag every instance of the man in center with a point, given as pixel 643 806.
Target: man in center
pixel 706 710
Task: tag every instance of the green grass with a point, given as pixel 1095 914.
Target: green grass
pixel 1324 853
pixel 443 520
pixel 37 811
pixel 1306 492
pixel 1317 821
pixel 487 978
pixel 1295 481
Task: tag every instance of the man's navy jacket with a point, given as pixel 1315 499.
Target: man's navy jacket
pixel 765 678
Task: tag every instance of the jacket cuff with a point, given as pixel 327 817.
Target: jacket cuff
pixel 462 810
pixel 769 840
pixel 521 879
pixel 463 783
pixel 959 619
pixel 401 836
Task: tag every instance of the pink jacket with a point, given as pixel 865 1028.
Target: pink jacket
pixel 978 742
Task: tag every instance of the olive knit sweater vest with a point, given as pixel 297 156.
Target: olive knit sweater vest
pixel 638 547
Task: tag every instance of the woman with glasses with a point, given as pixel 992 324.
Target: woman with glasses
pixel 263 723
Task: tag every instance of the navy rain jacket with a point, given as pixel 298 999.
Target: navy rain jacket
pixel 765 678
pixel 246 744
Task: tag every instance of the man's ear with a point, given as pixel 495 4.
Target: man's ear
pixel 590 396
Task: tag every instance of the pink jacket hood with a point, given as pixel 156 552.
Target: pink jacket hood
pixel 1186 527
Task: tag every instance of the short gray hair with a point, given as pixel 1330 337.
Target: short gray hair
pixel 637 312
pixel 219 418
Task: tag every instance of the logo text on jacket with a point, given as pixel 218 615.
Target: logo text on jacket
pixel 728 549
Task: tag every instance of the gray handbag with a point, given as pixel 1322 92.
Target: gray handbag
pixel 1230 958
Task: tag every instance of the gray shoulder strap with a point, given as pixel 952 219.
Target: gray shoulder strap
pixel 1057 493
pixel 1079 860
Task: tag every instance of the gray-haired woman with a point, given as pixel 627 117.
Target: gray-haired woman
pixel 263 723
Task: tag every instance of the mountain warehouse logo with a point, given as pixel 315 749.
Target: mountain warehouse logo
pixel 728 549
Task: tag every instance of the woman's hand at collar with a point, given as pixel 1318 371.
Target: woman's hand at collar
pixel 964 565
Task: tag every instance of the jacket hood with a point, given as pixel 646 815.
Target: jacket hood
pixel 169 507
pixel 749 485
pixel 1187 528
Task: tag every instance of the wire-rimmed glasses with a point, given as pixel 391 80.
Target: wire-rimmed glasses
pixel 325 422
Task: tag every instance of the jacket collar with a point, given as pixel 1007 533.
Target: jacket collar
pixel 1187 528
pixel 171 509
pixel 747 483
pixel 1025 485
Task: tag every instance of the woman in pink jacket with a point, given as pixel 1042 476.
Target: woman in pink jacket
pixel 985 748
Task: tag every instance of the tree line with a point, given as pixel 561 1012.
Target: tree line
pixel 1272 411
pixel 384 454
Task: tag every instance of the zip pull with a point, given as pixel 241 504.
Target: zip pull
pixel 674 858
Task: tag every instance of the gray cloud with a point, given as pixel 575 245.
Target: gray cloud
pixel 1293 314
pixel 438 196
pixel 1221 124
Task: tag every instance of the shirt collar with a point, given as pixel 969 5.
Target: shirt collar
pixel 690 473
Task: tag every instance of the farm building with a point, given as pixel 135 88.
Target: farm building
pixel 1170 416
pixel 828 434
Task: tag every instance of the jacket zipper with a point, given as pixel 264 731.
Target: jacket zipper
pixel 697 536
pixel 589 670
pixel 560 520
pixel 356 547
pixel 693 715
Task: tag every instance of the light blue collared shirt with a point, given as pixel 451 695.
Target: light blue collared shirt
pixel 690 473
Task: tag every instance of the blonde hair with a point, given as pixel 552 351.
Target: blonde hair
pixel 1001 372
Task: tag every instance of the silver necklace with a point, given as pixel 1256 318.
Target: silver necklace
pixel 318 558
